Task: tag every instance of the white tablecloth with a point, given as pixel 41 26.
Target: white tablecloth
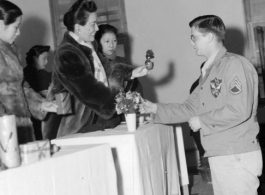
pixel 145 160
pixel 181 157
pixel 75 170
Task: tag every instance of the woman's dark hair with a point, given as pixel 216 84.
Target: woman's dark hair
pixel 35 52
pixel 103 29
pixel 210 23
pixel 79 13
pixel 9 12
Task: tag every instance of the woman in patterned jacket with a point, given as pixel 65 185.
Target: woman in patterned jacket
pixel 16 97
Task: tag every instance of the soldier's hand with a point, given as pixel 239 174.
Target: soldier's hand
pixel 195 123
pixel 147 107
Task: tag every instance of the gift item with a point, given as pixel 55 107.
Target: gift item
pixel 63 100
pixel 148 63
pixel 9 151
pixel 35 151
pixel 54 148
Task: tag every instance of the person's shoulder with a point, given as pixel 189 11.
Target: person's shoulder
pixel 45 72
pixel 67 43
pixel 72 48
pixel 68 51
pixel 235 60
pixel 64 46
pixel 29 70
pixel 123 60
pixel 234 56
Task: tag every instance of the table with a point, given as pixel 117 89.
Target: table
pixel 181 159
pixel 145 160
pixel 74 170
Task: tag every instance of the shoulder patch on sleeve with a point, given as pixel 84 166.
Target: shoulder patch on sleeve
pixel 235 86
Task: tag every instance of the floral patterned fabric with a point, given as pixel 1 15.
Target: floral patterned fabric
pixel 16 97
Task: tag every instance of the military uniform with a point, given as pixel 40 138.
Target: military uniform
pixel 226 102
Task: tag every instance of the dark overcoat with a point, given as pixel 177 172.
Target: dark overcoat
pixel 73 72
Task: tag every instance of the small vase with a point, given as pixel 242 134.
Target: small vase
pixel 131 121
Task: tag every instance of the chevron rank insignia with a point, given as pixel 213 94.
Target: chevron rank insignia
pixel 235 86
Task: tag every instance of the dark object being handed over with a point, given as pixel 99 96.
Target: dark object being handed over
pixel 148 63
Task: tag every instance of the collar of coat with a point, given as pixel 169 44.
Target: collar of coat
pixel 219 56
pixel 222 52
pixel 69 39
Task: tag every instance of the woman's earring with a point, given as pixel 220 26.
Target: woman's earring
pixel 78 30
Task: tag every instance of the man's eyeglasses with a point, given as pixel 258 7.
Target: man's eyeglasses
pixel 194 38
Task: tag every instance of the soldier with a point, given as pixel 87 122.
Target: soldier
pixel 223 108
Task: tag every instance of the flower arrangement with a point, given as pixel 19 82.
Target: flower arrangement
pixel 127 103
pixel 149 54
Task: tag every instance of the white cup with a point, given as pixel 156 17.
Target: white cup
pixel 140 119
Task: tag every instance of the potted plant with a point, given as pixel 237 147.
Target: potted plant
pixel 128 104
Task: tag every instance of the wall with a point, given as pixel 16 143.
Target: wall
pixel 36 26
pixel 163 27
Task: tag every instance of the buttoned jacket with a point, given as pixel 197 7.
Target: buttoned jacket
pixel 226 102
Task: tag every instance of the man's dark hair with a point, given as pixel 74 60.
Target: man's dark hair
pixel 210 24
